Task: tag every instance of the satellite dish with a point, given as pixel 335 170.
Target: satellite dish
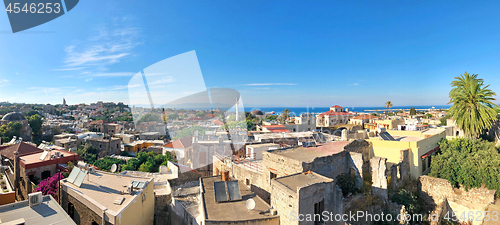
pixel 250 204
pixel 113 168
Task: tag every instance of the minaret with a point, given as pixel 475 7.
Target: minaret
pixel 64 102
pixel 237 110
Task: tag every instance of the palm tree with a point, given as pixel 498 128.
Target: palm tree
pixel 472 109
pixel 285 115
pixel 388 105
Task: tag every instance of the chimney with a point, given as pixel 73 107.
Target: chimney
pixel 225 176
pixel 16 172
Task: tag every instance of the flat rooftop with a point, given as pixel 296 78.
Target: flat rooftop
pixel 285 135
pixel 233 210
pixel 263 145
pixel 104 188
pixel 296 181
pixel 309 154
pixel 35 158
pixel 49 212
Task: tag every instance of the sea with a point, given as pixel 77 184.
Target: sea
pixel 301 110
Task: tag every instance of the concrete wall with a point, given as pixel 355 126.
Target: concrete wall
pixel 7 198
pixel 141 209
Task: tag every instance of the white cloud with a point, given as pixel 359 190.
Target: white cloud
pixel 109 46
pixel 69 69
pixel 116 74
pixel 269 84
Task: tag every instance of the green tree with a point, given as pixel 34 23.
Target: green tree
pixel 173 116
pixel 149 117
pixel 413 111
pixel 388 105
pixel 467 162
pixel 473 110
pixel 200 114
pixel 31 113
pixel 35 122
pixel 87 153
pixel 10 130
pixel 444 119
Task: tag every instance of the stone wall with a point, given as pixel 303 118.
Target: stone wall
pixel 162 212
pixel 285 201
pixel 330 166
pixel 441 194
pixel 265 221
pixel 400 172
pixel 82 214
pixel 379 176
pixel 279 165
pixel 329 193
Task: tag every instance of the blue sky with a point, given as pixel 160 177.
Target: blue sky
pixel 275 53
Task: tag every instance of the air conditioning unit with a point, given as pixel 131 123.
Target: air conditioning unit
pixel 35 198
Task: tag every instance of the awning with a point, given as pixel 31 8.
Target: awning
pixel 429 153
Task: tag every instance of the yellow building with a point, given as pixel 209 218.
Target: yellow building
pixel 374 124
pixel 137 146
pixel 421 144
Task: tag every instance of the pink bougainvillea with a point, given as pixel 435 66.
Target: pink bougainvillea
pixel 50 185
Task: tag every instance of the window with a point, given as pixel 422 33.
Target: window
pixel 247 182
pixel 71 210
pixel 318 210
pixel 272 176
pixel 45 174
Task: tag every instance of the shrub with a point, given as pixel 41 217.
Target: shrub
pixel 471 163
pixel 347 183
pixel 50 185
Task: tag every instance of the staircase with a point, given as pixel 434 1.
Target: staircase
pixel 493 208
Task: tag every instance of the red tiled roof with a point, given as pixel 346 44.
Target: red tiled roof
pixel 333 113
pixel 21 147
pixel 184 142
pixel 336 106
pixel 218 122
pixel 280 131
pixel 274 126
pixel 365 117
